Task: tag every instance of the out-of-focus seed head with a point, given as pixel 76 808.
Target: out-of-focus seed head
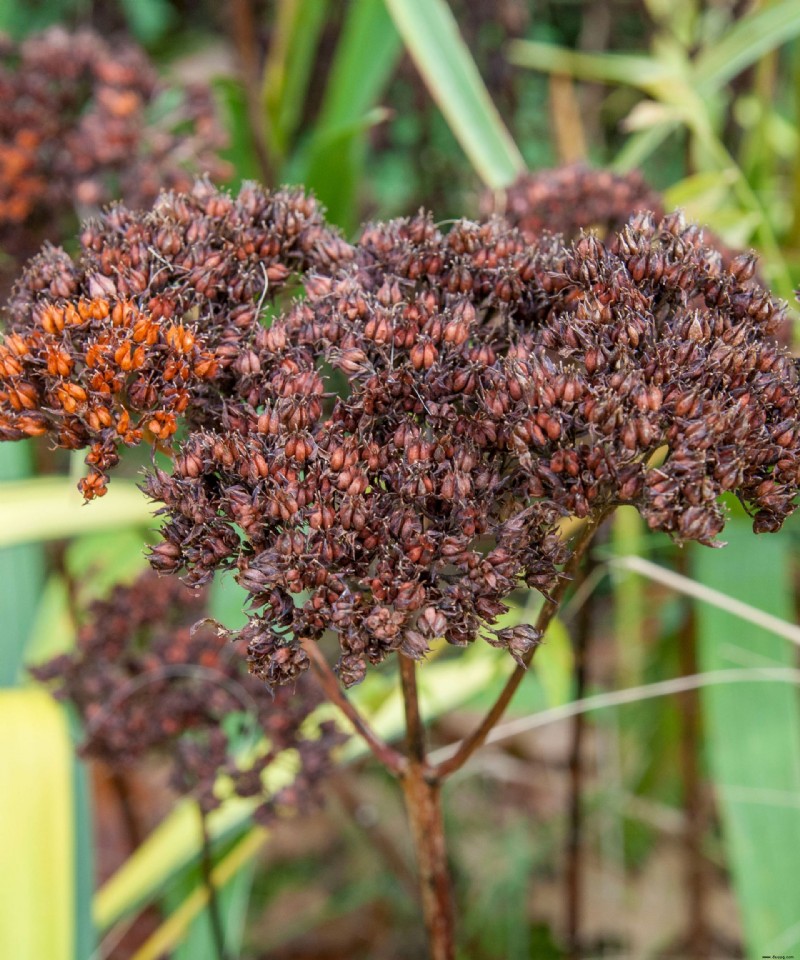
pixel 146 681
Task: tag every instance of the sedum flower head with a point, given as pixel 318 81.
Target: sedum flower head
pixel 394 456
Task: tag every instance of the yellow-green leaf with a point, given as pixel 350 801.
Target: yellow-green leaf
pixel 37 885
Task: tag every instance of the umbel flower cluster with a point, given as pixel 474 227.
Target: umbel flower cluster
pixel 390 456
pixel 84 121
pixel 146 681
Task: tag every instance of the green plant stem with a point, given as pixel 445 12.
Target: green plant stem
pixel 698 934
pixel 574 851
pixel 477 738
pixel 422 794
pixel 207 867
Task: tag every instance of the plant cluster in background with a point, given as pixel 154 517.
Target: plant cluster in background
pixel 147 676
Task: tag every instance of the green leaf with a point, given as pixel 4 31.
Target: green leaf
pixel 746 42
pixel 433 40
pixel 753 735
pixel 50 508
pixel 554 665
pixel 37 886
pixel 298 25
pixel 241 151
pixel 187 930
pixel 366 56
pixel 332 162
pixel 21 572
pixel 149 20
pixel 644 73
pixel 334 165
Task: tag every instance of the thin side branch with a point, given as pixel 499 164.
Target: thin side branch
pixel 392 759
pixel 477 738
pixel 207 867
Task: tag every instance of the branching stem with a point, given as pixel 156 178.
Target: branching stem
pixel 391 759
pixel 477 738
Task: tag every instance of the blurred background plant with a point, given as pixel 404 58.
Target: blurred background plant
pixel 658 737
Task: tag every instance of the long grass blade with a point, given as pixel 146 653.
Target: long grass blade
pixel 298 25
pixel 753 733
pixel 21 575
pixel 748 39
pixel 173 930
pixel 432 38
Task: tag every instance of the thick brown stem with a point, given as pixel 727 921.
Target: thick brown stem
pixel 424 808
pixel 394 761
pixel 477 738
pixel 422 793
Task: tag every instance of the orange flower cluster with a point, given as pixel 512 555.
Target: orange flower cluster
pixel 111 352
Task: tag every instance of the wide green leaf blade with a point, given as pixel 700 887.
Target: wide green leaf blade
pixel 50 508
pixel 753 736
pixel 37 885
pixel 366 56
pixel 298 25
pixel 433 40
pixel 21 574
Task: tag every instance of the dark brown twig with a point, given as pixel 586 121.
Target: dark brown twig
pixel 394 761
pixel 422 794
pixel 245 38
pixel 477 738
pixel 415 731
pixel 206 866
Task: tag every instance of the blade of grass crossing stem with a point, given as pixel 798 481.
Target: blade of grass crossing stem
pixel 233 878
pixel 188 924
pixel 174 844
pixel 37 885
pixel 298 25
pixel 432 38
pixel 753 734
pixel 629 608
pixel 21 575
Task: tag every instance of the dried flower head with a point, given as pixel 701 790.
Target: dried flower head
pixel 150 321
pixel 574 198
pixel 146 681
pixel 82 124
pixel 392 458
